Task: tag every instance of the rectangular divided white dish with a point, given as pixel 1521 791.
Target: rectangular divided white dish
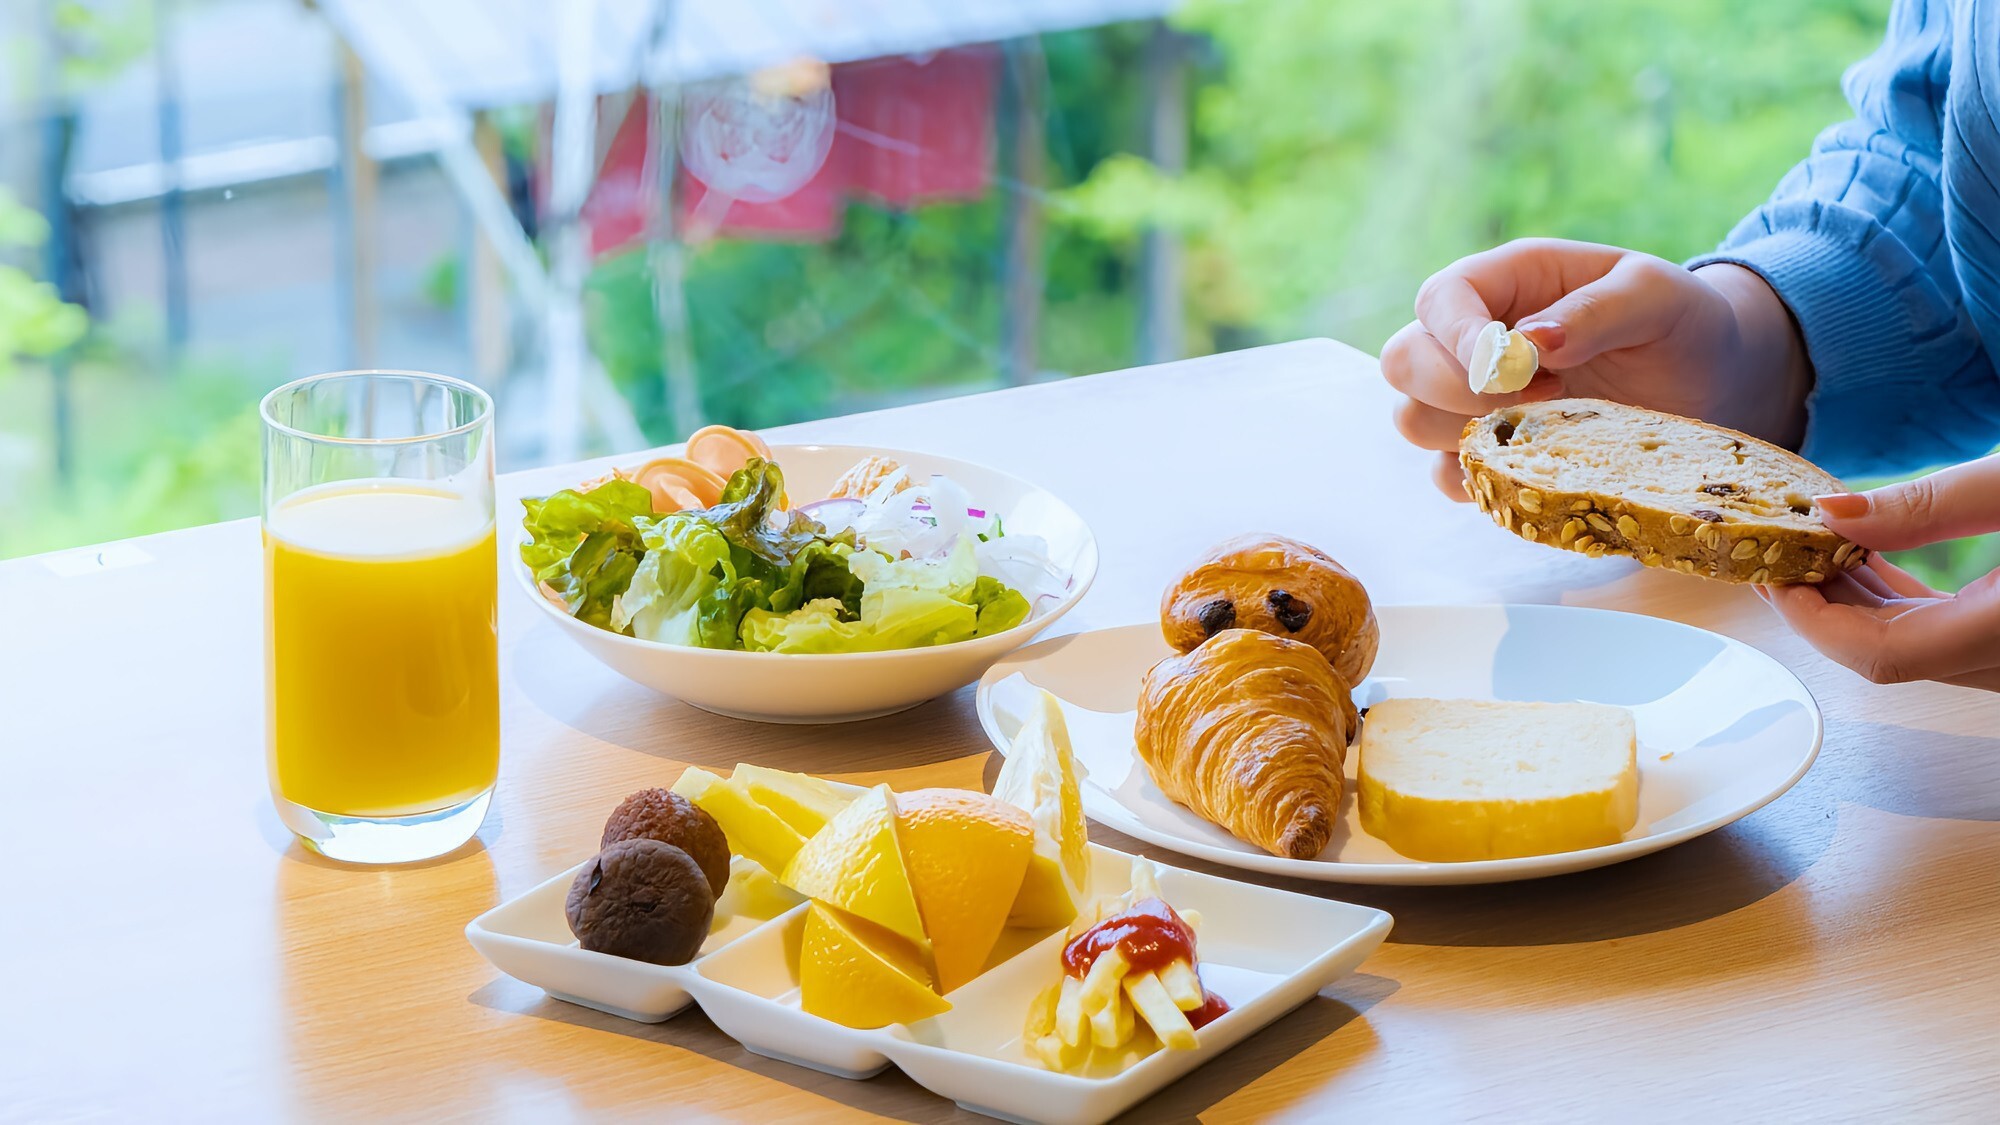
pixel 1263 950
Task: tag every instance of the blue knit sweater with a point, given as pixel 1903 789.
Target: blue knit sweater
pixel 1885 244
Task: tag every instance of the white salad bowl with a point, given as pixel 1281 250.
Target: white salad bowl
pixel 775 687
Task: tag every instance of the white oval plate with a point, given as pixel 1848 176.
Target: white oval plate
pixel 1723 728
pixel 778 687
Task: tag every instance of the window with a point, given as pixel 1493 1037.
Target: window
pixel 630 217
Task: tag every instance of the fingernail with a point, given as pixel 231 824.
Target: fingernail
pixel 1843 505
pixel 1547 334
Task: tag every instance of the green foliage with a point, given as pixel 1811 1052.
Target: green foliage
pixel 156 453
pixel 787 331
pixel 1343 151
pixel 1949 566
pixel 444 281
pixel 34 319
pixel 896 304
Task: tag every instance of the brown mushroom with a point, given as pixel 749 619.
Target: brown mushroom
pixel 644 900
pixel 666 816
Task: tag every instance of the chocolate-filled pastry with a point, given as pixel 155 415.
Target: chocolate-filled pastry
pixel 1279 586
pixel 1250 731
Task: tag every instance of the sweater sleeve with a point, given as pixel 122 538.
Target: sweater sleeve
pixel 1853 241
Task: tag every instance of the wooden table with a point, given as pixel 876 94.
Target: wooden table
pixel 168 952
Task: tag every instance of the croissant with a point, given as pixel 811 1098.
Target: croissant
pixel 1281 586
pixel 1250 731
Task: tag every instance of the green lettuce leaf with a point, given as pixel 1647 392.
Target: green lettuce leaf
pixel 953 576
pixel 586 546
pixel 898 617
pixel 903 603
pixel 557 523
pixel 813 627
pixel 819 570
pixel 745 516
pixel 596 572
pixel 687 561
pixel 1001 607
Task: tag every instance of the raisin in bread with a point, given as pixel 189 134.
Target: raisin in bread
pixel 1602 478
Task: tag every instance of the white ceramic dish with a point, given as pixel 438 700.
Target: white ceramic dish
pixel 1265 951
pixel 832 688
pixel 1723 728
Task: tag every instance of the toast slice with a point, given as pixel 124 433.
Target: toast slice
pixel 1603 478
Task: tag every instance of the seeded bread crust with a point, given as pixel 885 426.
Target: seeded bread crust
pixel 1722 539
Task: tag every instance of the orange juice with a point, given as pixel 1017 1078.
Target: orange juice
pixel 380 649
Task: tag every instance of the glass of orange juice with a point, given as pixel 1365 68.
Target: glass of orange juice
pixel 382 702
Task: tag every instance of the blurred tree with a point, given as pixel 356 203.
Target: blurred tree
pixel 34 319
pixel 1343 151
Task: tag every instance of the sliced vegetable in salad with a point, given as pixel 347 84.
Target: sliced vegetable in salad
pixel 888 561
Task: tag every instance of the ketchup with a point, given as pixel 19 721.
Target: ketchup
pixel 1149 934
pixel 1212 1006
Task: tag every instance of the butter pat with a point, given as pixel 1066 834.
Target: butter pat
pixel 1456 780
pixel 1503 361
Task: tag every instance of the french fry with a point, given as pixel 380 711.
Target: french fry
pixel 1042 1013
pixel 1182 985
pixel 1071 1021
pixel 1100 985
pixel 1192 918
pixel 1111 1025
pixel 1145 881
pixel 1150 997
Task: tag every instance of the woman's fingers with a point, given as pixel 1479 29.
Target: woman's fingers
pixel 1638 301
pixel 1449 476
pixel 1505 282
pixel 1853 588
pixel 1899 582
pixel 1581 299
pixel 1949 504
pixel 1427 427
pixel 1845 634
pixel 1898 641
pixel 1415 363
pixel 1986 679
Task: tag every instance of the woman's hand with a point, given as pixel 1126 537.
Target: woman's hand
pixel 1714 343
pixel 1881 621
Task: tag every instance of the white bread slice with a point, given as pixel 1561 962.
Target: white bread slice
pixel 1454 780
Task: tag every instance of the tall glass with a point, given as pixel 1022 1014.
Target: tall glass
pixel 382 697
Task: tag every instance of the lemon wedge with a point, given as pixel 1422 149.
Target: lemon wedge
pixel 1040 778
pixel 858 974
pixel 966 853
pixel 752 892
pixel 856 864
pixel 803 801
pixel 754 831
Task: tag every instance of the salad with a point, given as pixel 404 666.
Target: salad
pixel 676 552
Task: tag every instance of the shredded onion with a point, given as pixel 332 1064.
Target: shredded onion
pixel 926 520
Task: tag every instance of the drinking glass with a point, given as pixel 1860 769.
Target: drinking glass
pixel 382 700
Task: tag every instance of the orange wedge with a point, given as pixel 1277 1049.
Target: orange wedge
pixel 858 974
pixel 856 864
pixel 966 853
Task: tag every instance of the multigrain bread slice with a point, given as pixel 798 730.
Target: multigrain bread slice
pixel 1602 478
